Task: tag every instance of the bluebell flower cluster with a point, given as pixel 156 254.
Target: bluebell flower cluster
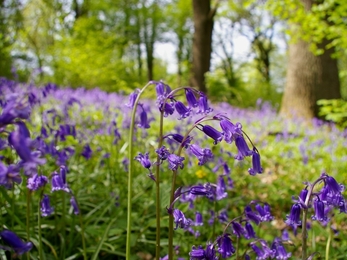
pixel 322 201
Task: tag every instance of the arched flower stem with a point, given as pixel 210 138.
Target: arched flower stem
pixel 130 170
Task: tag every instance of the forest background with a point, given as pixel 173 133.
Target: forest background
pixel 296 47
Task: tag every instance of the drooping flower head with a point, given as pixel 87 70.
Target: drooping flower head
pixel 15 243
pixel 203 155
pixel 225 246
pixel 46 209
pixel 293 219
pixel 256 165
pixel 175 162
pixel 212 133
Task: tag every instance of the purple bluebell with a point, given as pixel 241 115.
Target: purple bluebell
pixel 212 133
pixel 182 110
pixel 198 219
pixel 179 138
pixel 203 105
pixel 221 188
pixel 162 90
pixel 9 175
pixel 14 108
pixel 238 229
pixel 46 209
pixel 36 181
pixel 197 253
pixel 15 243
pixel 132 99
pixel 281 253
pixel 58 184
pixel 87 152
pixel 144 160
pixel 256 165
pixel 320 214
pixel 264 212
pixel 180 220
pixel 225 246
pixel 332 185
pixel 230 131
pixel 74 205
pixel 285 235
pixel 201 190
pixel 19 140
pixel 63 171
pixel 163 153
pixel 223 216
pixel 242 148
pixel 249 231
pixel 302 197
pixel 251 215
pixel 293 219
pixel 191 99
pixel 175 162
pixel 168 108
pixel 203 155
pixel 144 123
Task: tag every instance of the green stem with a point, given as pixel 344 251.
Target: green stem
pixel 62 252
pixel 39 228
pixel 327 249
pixel 28 219
pixel 82 235
pixel 130 172
pixel 237 248
pixel 157 189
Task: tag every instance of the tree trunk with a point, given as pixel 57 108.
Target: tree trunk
pixel 309 78
pixel 202 42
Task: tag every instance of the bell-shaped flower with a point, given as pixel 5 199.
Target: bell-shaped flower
pixel 46 209
pixel 14 242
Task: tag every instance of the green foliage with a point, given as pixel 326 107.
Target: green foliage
pixel 324 20
pixel 334 110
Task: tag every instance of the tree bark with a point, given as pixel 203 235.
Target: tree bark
pixel 309 78
pixel 202 42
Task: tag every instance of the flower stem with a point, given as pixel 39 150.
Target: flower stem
pixel 327 249
pixel 130 172
pixel 237 247
pixel 28 219
pixel 157 189
pixel 82 235
pixel 39 227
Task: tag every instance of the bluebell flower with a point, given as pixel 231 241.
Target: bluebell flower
pixel 281 253
pixel 198 219
pixel 201 190
pixel 212 133
pixel 242 148
pixel 163 153
pixel 221 188
pixel 14 108
pixel 15 243
pixel 144 123
pixel 182 110
pixel 175 162
pixel 197 253
pixel 203 105
pixel 238 229
pixel 144 160
pixel 191 99
pixel 332 185
pixel 162 90
pixel 46 209
pixel 87 152
pixel 132 99
pixel 293 219
pixel 225 246
pixel 58 183
pixel 264 212
pixel 179 138
pixel 9 175
pixel 249 231
pixel 223 216
pixel 320 213
pixel 180 220
pixel 74 205
pixel 168 108
pixel 256 165
pixel 36 181
pixel 251 215
pixel 285 235
pixel 230 131
pixel 203 155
